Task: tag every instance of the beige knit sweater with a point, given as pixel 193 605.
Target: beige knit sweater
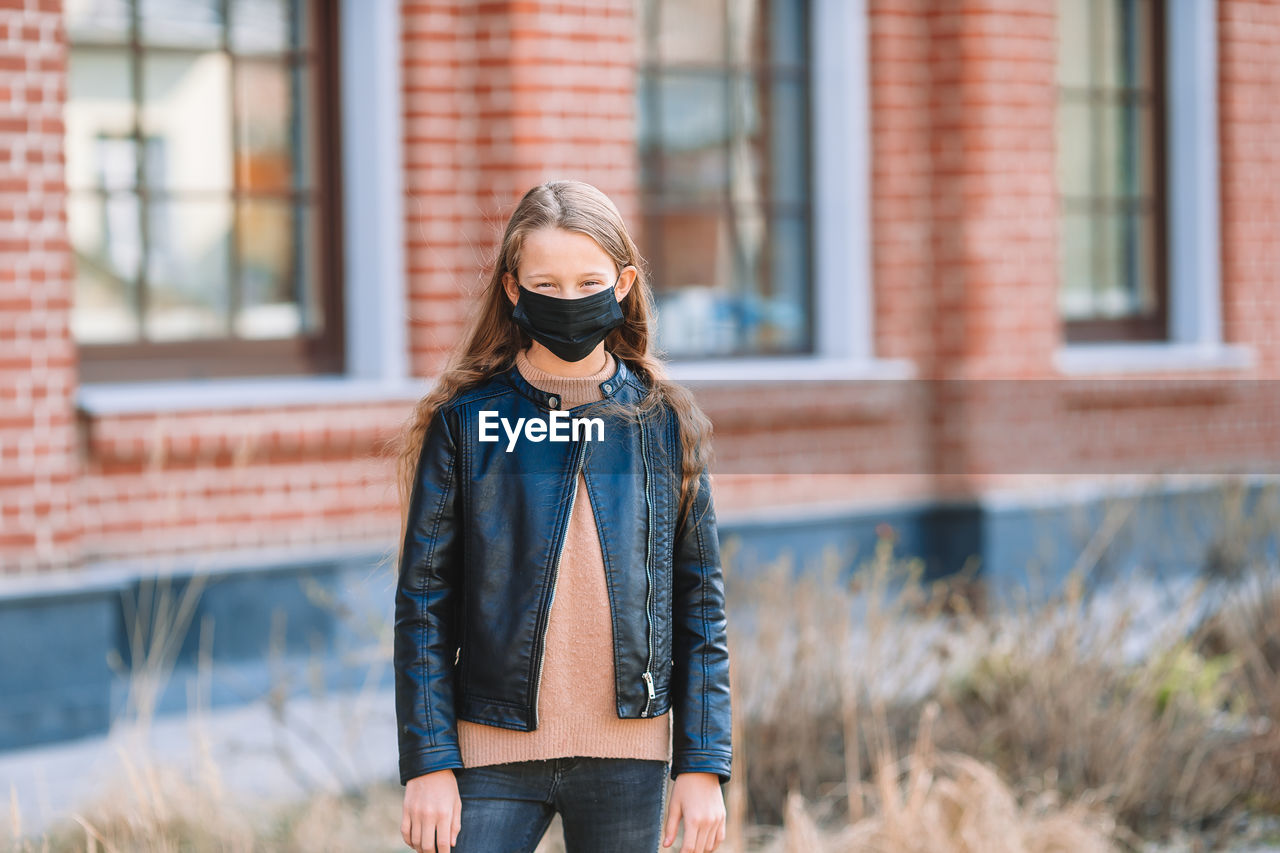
pixel 577 712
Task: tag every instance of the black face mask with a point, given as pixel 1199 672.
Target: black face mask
pixel 570 328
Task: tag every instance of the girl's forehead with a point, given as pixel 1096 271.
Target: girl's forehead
pixel 554 251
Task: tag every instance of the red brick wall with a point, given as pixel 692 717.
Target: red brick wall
pixel 501 95
pixel 37 359
pixel 208 480
pixel 1249 117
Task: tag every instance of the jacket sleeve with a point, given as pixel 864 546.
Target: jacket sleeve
pixel 425 604
pixel 701 726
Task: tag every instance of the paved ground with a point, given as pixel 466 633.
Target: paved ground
pixel 322 744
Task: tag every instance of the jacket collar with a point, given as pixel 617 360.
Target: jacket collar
pixel 547 400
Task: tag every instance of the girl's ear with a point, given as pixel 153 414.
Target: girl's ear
pixel 625 280
pixel 511 287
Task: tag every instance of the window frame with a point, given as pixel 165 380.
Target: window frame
pixel 1153 326
pixel 1195 339
pixel 763 76
pixel 304 355
pixel 841 268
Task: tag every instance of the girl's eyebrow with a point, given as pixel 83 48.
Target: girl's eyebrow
pixel 584 275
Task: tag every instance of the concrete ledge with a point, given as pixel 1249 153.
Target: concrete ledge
pixel 1091 359
pixel 120 398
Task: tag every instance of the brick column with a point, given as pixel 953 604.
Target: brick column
pixel 994 221
pixel 1249 75
pixel 38 460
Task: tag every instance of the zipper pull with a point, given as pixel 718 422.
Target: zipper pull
pixel 648 683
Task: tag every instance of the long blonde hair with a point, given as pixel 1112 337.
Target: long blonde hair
pixel 492 338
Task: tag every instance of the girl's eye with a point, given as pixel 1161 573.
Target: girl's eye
pixel 544 284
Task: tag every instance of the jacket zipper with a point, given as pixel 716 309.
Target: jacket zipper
pixel 648 559
pixel 542 652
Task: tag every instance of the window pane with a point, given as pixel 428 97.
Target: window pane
pixel 691 31
pixel 767 32
pixel 749 147
pixel 1145 148
pixel 1127 58
pixel 279 294
pixel 724 138
pixel 1141 71
pixel 732 285
pixel 742 30
pixel 210 230
pixel 646 24
pixel 787 309
pixel 788 39
pixel 693 128
pixel 1112 296
pixel 1108 43
pixel 99 132
pixel 692 289
pixel 188 269
pixel 1075 296
pixel 647 127
pixel 1112 150
pixel 106 242
pixel 187 23
pixel 789 125
pixel 1142 229
pixel 1107 160
pixel 187 112
pixel 1075 149
pixel 97 20
pixel 269 98
pixel 269 26
pixel 1073 43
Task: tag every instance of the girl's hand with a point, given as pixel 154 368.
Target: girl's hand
pixel 696 798
pixel 432 812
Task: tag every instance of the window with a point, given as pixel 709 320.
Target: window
pixel 203 208
pixel 723 101
pixel 1111 166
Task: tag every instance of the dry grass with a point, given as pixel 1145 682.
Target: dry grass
pixel 873 713
pixel 833 673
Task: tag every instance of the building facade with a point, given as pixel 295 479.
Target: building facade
pixel 925 263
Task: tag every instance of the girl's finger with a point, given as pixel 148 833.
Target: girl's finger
pixel 703 837
pixel 718 837
pixel 673 821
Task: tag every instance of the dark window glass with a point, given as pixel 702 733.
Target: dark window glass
pixel 1110 169
pixel 201 165
pixel 723 102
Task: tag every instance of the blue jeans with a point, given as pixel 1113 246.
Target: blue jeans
pixel 605 804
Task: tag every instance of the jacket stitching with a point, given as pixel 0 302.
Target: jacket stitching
pixel 464 497
pixel 489 700
pixel 706 632
pixel 602 523
pixel 426 589
pixel 476 395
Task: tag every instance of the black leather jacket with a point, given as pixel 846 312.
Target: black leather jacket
pixel 481 552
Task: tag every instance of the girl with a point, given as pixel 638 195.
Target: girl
pixel 560 635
